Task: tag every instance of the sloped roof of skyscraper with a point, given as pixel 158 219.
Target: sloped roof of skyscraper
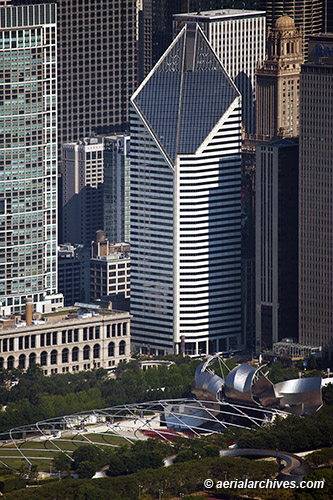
pixel 185 95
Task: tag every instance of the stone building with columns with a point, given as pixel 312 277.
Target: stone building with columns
pixel 72 340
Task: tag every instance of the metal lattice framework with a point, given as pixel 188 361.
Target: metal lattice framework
pixel 160 419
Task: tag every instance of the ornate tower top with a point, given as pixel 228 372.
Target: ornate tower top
pixel 284 42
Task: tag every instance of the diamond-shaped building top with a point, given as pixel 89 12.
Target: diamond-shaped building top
pixel 186 94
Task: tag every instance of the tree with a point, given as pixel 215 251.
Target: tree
pixel 86 469
pixel 24 469
pixel 90 453
pixel 62 462
pixel 33 474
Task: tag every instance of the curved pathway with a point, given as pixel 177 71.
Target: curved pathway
pixel 293 469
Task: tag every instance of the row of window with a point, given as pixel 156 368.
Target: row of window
pixel 64 357
pixel 67 337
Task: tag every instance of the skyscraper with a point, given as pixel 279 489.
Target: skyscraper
pixel 116 188
pixel 83 178
pixel 238 38
pixel 277 82
pixel 28 155
pixel 315 195
pixel 185 202
pixel 276 242
pixel 307 14
pixel 97 66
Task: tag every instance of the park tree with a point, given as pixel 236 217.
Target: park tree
pixel 61 462
pixel 86 469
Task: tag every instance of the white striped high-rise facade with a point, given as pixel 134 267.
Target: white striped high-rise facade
pixel 238 38
pixel 186 203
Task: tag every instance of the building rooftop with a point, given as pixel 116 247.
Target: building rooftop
pixel 69 316
pixel 113 257
pixel 214 15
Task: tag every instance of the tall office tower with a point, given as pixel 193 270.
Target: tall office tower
pixel 277 82
pixel 145 39
pixel 162 12
pixel 238 38
pixel 328 16
pixel 97 65
pixel 83 177
pixel 185 202
pixel 276 242
pixel 315 195
pixel 308 15
pixel 116 190
pixel 28 155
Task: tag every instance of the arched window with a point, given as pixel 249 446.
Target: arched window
pixel 43 358
pixel 96 351
pixel 86 352
pixel 75 354
pixel 10 363
pixel 22 361
pixel 54 357
pixel 32 359
pixel 1 363
pixel 64 356
pixel 111 349
pixel 122 348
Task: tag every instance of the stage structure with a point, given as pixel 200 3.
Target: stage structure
pixel 242 397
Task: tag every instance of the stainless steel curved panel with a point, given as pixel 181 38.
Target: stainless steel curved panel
pixel 299 396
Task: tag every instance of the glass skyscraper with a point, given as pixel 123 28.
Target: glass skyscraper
pixel 28 155
pixel 116 188
pixel 186 203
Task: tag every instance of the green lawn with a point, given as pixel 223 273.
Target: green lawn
pixel 41 452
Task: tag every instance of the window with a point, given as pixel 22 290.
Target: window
pixel 10 363
pixel 91 332
pixel 43 358
pixel 64 355
pixel 32 359
pixel 54 338
pixel 85 333
pixel 22 361
pixel 63 337
pixel 119 329
pixel 76 335
pixel 96 351
pixel 122 348
pixel 97 332
pixel 54 356
pixel 33 341
pixel 86 352
pixel 75 354
pixel 111 349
